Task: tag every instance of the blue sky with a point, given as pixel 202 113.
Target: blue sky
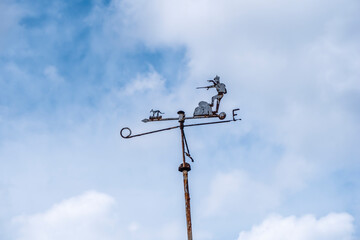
pixel 73 73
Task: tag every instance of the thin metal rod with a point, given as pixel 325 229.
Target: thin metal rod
pixel 186 184
pixel 169 128
pixel 198 124
pixel 182 141
pixel 187 149
pixel 141 134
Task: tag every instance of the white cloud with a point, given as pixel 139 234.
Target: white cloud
pixel 88 216
pixel 234 191
pixel 150 81
pixel 334 226
pixel 92 216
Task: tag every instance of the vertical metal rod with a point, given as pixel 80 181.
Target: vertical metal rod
pixel 182 142
pixel 187 205
pixel 184 168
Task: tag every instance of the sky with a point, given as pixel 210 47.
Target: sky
pixel 73 73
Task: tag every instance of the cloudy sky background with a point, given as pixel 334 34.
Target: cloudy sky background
pixel 73 73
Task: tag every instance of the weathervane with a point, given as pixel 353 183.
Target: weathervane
pixel 204 110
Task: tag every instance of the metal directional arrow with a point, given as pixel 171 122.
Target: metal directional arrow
pixel 204 110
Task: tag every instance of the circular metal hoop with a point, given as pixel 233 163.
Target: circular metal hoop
pixel 126 136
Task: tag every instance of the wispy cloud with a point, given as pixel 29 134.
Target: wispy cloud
pixel 331 227
pixel 88 216
pixel 152 81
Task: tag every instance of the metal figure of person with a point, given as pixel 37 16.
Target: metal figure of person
pixel 221 90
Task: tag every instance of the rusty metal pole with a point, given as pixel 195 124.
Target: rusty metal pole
pixel 187 205
pixel 185 168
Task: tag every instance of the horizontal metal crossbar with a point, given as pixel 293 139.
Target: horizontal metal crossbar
pixel 169 128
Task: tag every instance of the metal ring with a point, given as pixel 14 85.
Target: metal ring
pixel 121 132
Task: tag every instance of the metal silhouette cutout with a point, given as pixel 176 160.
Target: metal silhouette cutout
pixel 156 114
pixel 204 110
pixel 221 90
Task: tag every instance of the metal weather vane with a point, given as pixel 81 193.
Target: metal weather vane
pixel 204 110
